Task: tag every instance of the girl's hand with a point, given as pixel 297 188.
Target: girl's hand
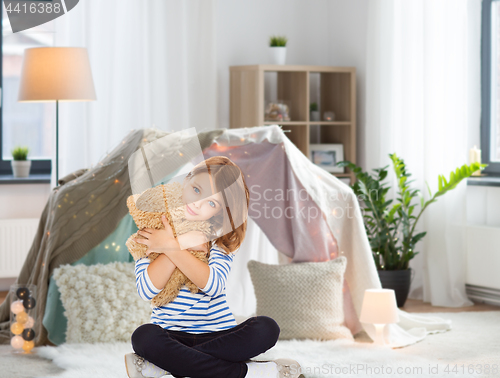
pixel 160 241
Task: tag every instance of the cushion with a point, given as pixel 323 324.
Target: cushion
pixel 101 302
pixel 305 299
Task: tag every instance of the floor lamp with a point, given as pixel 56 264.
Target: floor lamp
pixel 56 74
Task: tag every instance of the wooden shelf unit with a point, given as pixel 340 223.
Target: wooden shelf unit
pixel 337 93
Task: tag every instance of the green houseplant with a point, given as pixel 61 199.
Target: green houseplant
pixel 391 226
pixel 313 107
pixel 277 49
pixel 20 164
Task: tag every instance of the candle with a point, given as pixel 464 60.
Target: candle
pixel 475 157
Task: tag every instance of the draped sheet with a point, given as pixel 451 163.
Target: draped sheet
pixel 307 214
pixel 319 220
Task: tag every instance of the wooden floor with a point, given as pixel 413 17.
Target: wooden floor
pixel 411 305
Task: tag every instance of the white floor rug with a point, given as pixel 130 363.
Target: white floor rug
pixel 465 351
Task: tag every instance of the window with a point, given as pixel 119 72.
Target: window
pixel 490 86
pixel 25 124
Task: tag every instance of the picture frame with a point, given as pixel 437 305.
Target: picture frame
pixel 327 156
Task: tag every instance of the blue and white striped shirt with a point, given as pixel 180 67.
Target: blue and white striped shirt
pixel 188 312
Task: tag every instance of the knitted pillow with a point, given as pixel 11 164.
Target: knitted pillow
pixel 305 299
pixel 101 302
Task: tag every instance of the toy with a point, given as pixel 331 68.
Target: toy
pixel 164 200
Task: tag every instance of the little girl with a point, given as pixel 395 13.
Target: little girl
pixel 196 335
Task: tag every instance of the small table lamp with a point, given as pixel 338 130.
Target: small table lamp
pixel 379 308
pixel 56 74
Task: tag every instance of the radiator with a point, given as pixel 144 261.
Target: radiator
pixel 16 238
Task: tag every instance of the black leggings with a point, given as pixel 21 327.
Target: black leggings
pixel 212 354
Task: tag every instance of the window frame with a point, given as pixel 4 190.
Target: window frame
pixel 493 168
pixel 38 166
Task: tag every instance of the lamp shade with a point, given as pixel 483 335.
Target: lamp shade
pixel 56 73
pixel 379 307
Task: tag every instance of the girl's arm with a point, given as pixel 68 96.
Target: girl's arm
pixel 193 240
pixel 160 270
pixel 194 269
pixel 163 241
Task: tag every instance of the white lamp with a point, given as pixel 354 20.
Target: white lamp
pixel 379 308
pixel 56 74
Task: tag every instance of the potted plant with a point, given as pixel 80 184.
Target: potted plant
pixel 277 49
pixel 391 227
pixel 314 111
pixel 20 163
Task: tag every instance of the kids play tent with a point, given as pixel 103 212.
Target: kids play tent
pixel 305 212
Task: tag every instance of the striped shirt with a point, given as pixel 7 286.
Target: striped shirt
pixel 193 313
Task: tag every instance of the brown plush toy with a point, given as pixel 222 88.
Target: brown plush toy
pixel 164 200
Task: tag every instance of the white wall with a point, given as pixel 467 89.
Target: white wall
pixel 23 200
pixel 483 236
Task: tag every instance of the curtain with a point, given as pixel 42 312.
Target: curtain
pixel 422 103
pixel 153 65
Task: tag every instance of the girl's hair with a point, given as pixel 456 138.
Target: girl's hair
pixel 230 181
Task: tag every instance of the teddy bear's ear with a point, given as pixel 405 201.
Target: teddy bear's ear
pixel 130 203
pixel 151 200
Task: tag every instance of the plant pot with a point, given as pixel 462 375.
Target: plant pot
pixel 21 168
pixel 399 281
pixel 278 55
pixel 315 115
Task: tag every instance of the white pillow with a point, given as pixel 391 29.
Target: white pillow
pixel 305 299
pixel 101 302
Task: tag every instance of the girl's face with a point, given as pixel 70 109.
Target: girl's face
pixel 197 194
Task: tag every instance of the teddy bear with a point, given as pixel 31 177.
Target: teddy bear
pixel 164 199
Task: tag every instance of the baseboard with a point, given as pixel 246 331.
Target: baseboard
pixel 481 294
pixel 6 282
